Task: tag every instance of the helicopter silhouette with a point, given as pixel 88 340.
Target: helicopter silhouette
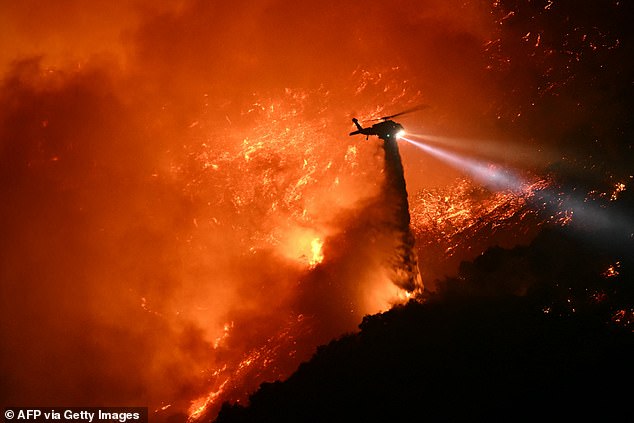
pixel 387 129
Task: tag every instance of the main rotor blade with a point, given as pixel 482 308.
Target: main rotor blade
pixel 404 112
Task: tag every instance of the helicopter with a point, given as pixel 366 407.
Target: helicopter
pixel 387 129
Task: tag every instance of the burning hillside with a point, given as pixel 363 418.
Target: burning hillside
pixel 184 215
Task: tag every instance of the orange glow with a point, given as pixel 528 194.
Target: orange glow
pixel 180 181
pixel 383 295
pixel 452 216
pixel 199 405
pixel 317 255
pixel 447 222
pixel 301 245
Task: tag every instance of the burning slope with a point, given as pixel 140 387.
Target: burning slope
pixel 181 200
pixel 530 329
pixel 465 354
pixel 230 251
pixel 364 255
pixel 461 221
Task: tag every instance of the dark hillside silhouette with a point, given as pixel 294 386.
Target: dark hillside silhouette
pixel 520 333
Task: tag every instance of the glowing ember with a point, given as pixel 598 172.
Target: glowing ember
pixel 618 188
pixel 612 270
pixel 624 318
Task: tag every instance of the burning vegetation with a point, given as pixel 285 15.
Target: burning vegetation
pixel 184 216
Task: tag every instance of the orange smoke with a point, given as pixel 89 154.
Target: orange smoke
pixel 184 215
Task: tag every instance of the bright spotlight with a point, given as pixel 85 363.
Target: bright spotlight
pixel 488 173
pixel 400 134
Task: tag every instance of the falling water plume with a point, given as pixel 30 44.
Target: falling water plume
pixel 405 267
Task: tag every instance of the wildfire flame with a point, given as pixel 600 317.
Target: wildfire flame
pixel 317 255
pixel 301 194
